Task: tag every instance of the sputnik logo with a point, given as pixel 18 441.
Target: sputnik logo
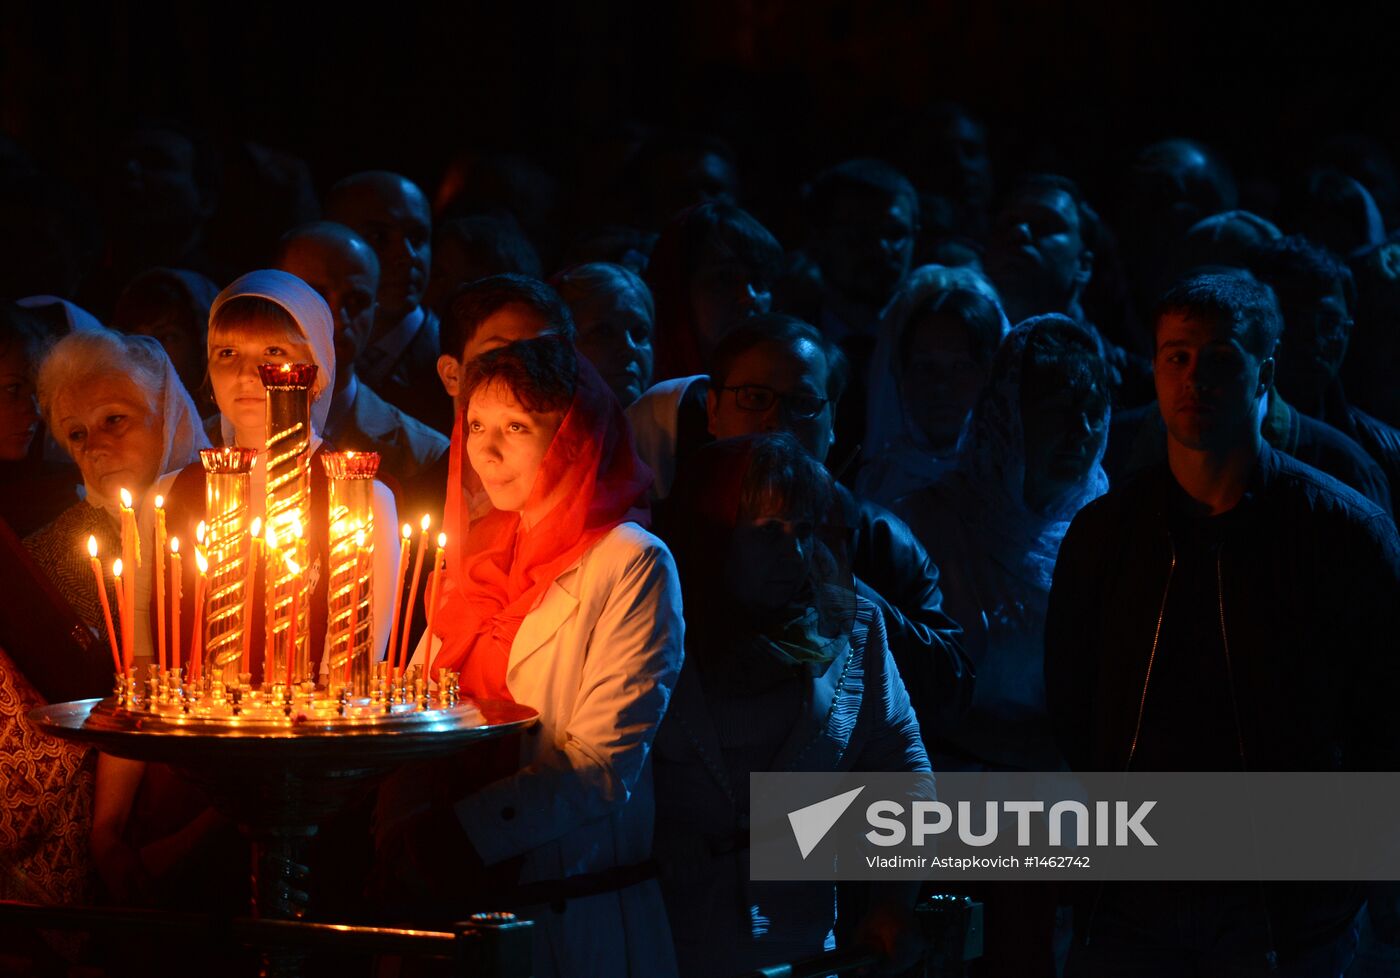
pixel 811 824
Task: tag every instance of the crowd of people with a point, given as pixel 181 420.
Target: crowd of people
pixel 953 478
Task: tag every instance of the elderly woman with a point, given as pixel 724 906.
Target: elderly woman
pixel 559 598
pixel 931 360
pixel 773 626
pixel 615 316
pixel 1029 460
pixel 115 404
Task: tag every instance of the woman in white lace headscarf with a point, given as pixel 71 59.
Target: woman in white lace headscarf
pixel 1029 459
pixel 931 358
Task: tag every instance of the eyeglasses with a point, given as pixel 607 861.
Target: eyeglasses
pixel 751 397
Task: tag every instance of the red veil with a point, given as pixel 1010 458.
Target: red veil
pixel 496 571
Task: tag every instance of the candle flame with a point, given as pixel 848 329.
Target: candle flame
pixel 174 545
pixel 160 502
pixel 360 538
pixel 426 522
pixel 407 531
pixel 117 567
pixel 442 540
pixel 199 532
pixel 92 546
pixel 126 499
pixel 255 529
pixel 201 561
pixel 292 565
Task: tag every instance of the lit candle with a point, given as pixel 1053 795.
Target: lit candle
pixel 176 594
pixel 255 546
pixel 432 606
pixel 197 626
pixel 292 625
pixel 106 605
pixel 124 612
pixel 404 547
pixel 160 582
pixel 130 562
pixel 413 587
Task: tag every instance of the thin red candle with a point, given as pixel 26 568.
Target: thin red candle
pixel 413 589
pixel 197 627
pixel 123 612
pixel 176 595
pixel 432 606
pixel 106 605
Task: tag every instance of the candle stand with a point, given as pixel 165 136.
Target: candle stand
pixel 281 763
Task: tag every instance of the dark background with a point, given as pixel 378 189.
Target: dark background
pixel 792 84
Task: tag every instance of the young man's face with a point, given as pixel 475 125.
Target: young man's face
pixel 1208 384
pixel 503 327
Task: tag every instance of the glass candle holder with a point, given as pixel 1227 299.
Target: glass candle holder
pixel 288 387
pixel 227 480
pixel 350 624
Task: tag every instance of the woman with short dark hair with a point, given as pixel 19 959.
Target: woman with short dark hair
pixel 773 625
pixel 556 596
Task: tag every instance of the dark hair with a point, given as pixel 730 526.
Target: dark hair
pixel 1246 305
pixel 854 178
pixel 541 373
pixel 157 297
pixel 712 233
pixel 775 327
pixel 1039 183
pixel 1060 349
pixel 244 309
pixel 1300 271
pixel 18 327
pixel 492 242
pixel 784 478
pixel 473 303
pixel 977 314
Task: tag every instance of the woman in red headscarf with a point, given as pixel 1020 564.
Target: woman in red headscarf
pixel 558 598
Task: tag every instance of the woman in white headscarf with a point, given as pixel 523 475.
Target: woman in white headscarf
pixel 115 404
pixel 1028 460
pixel 273 317
pixel 153 836
pixel 931 358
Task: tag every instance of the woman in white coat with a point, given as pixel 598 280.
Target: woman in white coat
pixel 560 599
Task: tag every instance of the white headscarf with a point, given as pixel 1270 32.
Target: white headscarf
pixel 313 318
pixel 76 357
pixel 901 458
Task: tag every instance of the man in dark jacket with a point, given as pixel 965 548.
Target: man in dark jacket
pixel 1231 610
pixel 777 373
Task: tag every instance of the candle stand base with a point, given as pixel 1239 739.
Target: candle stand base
pixel 280 775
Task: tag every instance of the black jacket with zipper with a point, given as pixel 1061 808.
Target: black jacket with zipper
pixel 1309 599
pixel 1307 588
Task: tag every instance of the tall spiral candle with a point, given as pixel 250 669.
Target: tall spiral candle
pixel 227 479
pixel 288 387
pixel 350 626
